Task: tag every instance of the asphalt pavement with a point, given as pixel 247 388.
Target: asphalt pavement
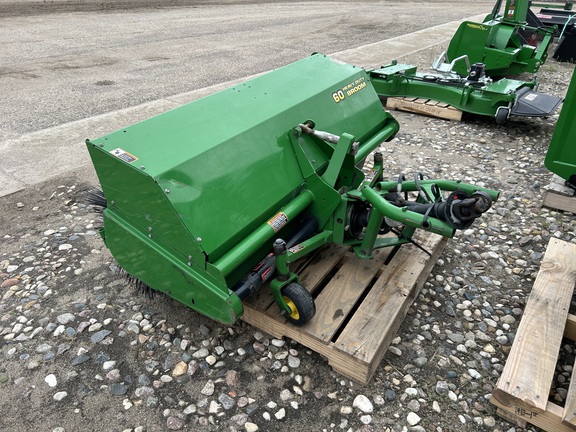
pixel 68 76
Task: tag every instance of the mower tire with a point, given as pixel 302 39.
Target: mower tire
pixel 502 115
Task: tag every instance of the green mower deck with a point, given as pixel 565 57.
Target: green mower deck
pixel 475 94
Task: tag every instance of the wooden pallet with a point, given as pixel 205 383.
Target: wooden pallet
pixel 425 106
pixel 521 393
pixel 360 304
pixel 559 197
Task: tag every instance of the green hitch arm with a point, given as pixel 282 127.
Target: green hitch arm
pixel 445 185
pixel 283 275
pixel 496 9
pixel 547 39
pixel 405 216
pixel 264 233
pixel 365 149
pixel 372 229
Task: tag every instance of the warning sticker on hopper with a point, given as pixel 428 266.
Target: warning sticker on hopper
pixel 124 155
pixel 278 221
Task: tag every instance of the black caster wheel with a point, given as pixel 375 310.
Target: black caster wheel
pixel 300 303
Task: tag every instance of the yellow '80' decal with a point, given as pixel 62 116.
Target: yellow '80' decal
pixel 338 96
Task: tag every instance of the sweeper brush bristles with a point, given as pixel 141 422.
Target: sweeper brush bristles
pixel 95 198
pixel 140 287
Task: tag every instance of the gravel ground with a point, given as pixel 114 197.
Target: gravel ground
pixel 80 350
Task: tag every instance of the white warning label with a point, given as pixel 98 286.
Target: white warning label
pixel 124 155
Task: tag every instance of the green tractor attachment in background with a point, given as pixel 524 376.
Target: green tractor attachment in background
pixel 561 155
pixel 501 42
pixel 476 94
pixel 209 201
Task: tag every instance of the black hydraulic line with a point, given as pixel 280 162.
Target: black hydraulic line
pixel 265 268
pixel 496 9
pixel 422 192
pixel 410 240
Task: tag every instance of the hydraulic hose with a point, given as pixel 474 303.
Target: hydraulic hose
pixel 265 268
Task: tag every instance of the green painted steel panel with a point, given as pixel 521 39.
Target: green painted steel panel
pixel 496 42
pixel 134 196
pixel 561 155
pixel 225 160
pixel 185 282
pixel 196 196
pixel 402 80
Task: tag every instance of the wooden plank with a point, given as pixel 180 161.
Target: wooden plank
pixel 432 102
pixel 512 418
pixel 550 420
pixel 341 294
pixel 346 364
pixel 559 196
pixel 570 405
pixel 313 275
pixel 371 329
pixel 421 101
pixel 556 201
pixel 570 330
pixel 529 370
pixel 448 112
pixel 343 359
pixel 569 415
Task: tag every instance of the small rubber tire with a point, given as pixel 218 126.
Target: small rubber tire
pixel 300 302
pixel 502 115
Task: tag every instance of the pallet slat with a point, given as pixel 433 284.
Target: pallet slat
pixel 426 107
pixel 395 290
pixel 399 278
pixel 524 385
pixel 570 330
pixel 340 295
pixel 558 196
pixel 569 415
pixel 560 202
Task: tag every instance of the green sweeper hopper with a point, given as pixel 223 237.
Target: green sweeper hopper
pixel 211 200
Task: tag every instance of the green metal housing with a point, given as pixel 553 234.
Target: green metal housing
pixel 497 42
pixel 186 189
pixel 401 80
pixel 195 197
pixel 561 155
